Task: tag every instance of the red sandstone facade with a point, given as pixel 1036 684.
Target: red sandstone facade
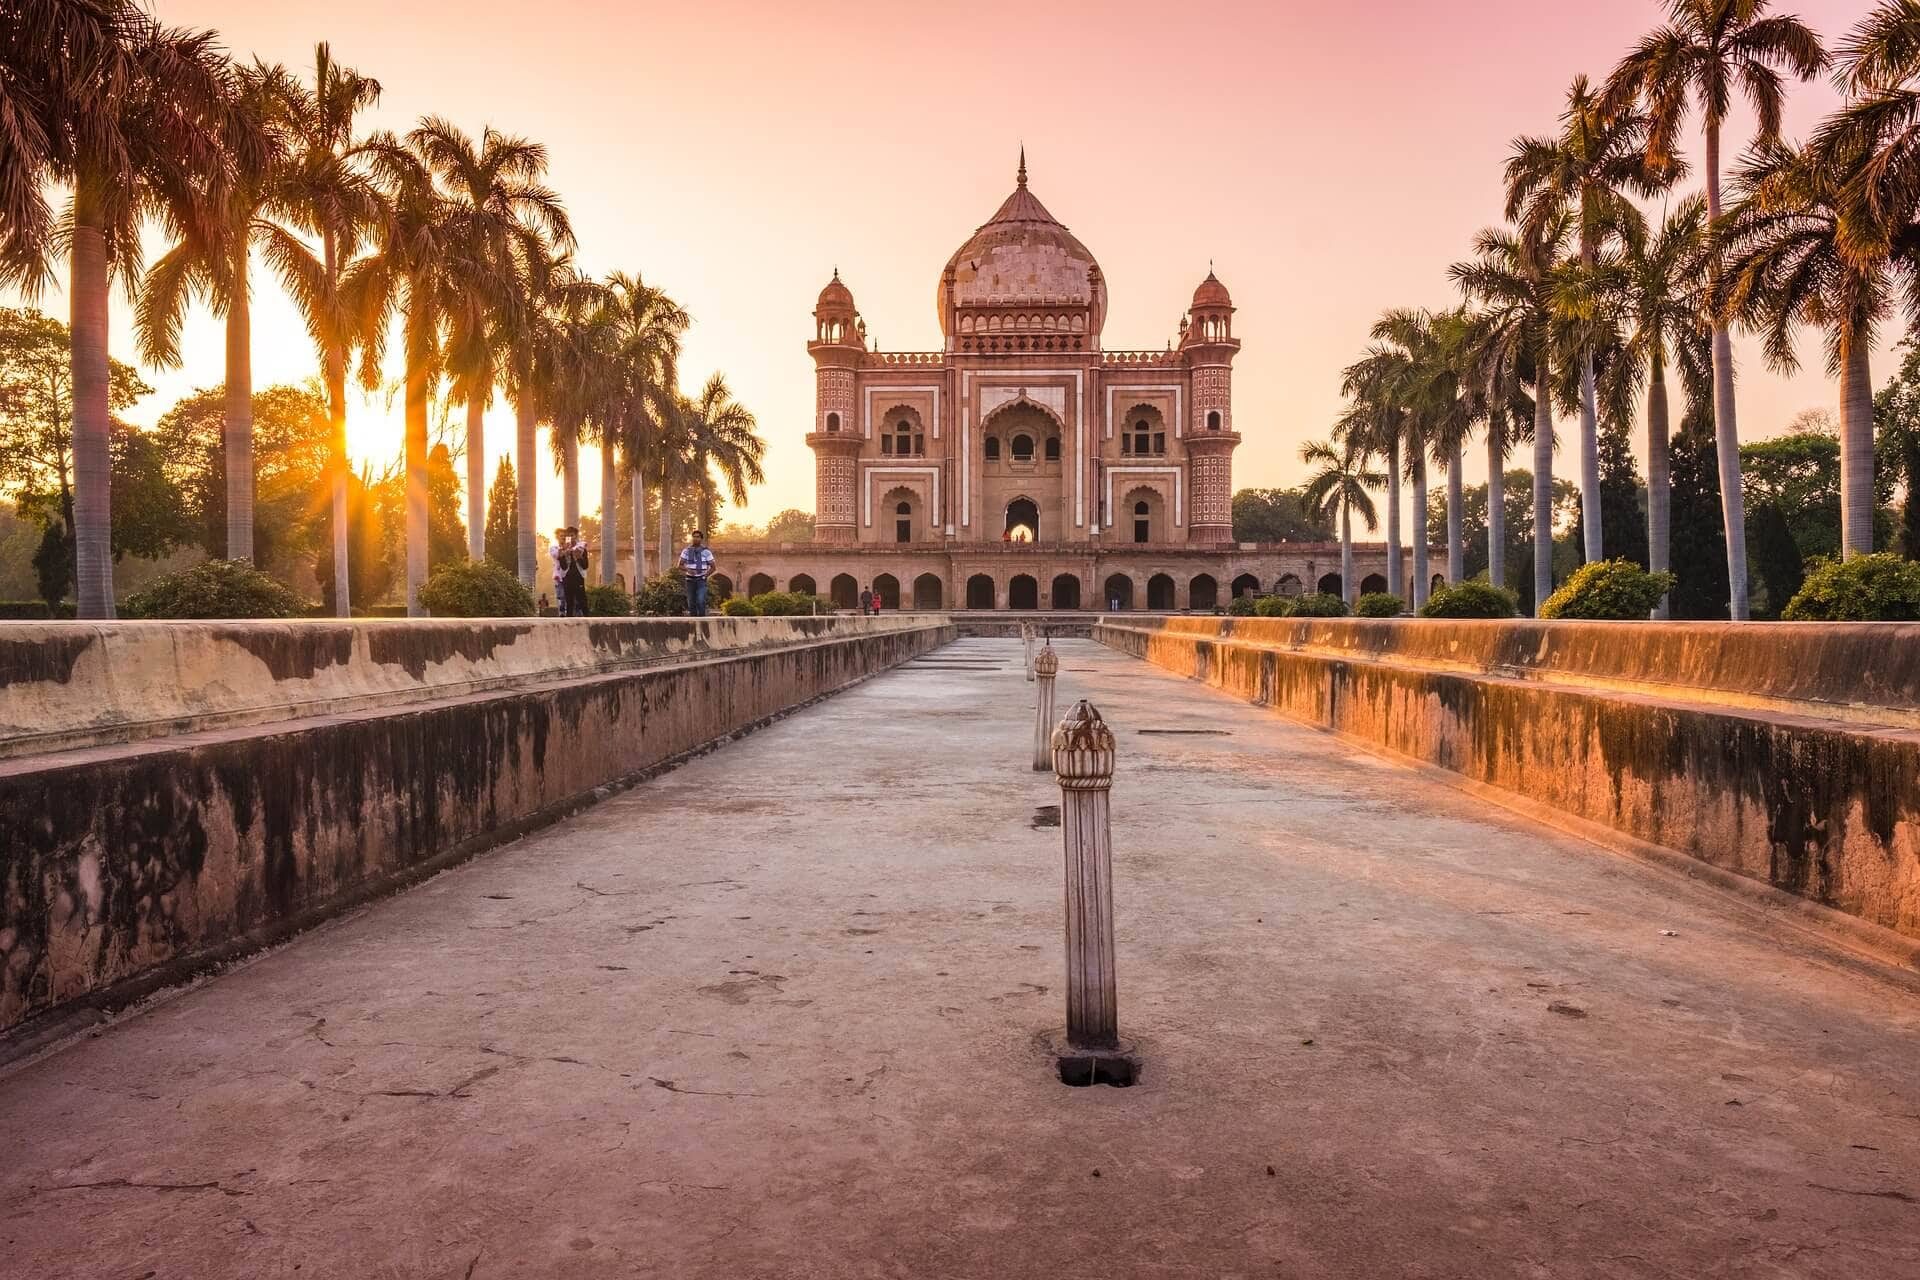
pixel 1025 465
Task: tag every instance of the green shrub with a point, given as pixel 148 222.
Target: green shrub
pixel 475 589
pixel 1272 607
pixel 1608 590
pixel 1318 604
pixel 608 602
pixel 663 596
pixel 735 607
pixel 1475 599
pixel 213 589
pixel 1241 606
pixel 1875 588
pixel 789 604
pixel 1379 604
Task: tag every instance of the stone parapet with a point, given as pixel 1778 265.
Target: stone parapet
pixel 65 685
pixel 1778 754
pixel 128 865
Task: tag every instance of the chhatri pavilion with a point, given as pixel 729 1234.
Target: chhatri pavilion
pixel 1025 465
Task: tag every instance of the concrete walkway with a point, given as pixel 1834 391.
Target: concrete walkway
pixel 778 1014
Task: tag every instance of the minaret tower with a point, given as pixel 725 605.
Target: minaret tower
pixel 839 345
pixel 1210 347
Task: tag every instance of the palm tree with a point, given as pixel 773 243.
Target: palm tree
pixel 1783 267
pixel 136 118
pixel 1512 277
pixel 1709 50
pixel 412 272
pixel 721 444
pixel 1499 359
pixel 1413 367
pixel 1598 157
pixel 546 288
pixel 651 325
pixel 212 259
pixel 495 200
pixel 1375 422
pixel 1652 288
pixel 1341 482
pixel 329 197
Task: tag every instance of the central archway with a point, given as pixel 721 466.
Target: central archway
pixel 845 591
pixel 1117 592
pixel 1160 593
pixel 1023 520
pixel 1023 592
pixel 887 587
pixel 1066 592
pixel 927 591
pixel 980 592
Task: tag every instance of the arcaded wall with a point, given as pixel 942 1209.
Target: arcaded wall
pixel 126 864
pixel 1788 755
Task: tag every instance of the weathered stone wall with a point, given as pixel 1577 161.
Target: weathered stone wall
pixel 1788 755
pixel 126 864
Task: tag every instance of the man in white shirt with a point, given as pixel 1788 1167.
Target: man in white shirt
pixel 696 565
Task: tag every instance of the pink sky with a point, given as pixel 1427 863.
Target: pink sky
pixel 1330 160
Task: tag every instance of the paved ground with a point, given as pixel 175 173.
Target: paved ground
pixel 778 1014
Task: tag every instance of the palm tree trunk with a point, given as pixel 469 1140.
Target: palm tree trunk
pixel 1348 589
pixel 1659 476
pixel 476 477
pixel 1726 430
pixel 1542 486
pixel 639 529
pixel 609 509
pixel 1856 452
pixel 1497 499
pixel 337 447
pixel 1420 538
pixel 1396 578
pixel 92 461
pixel 526 427
pixel 1594 543
pixel 570 478
pixel 239 417
pixel 1456 500
pixel 416 462
pixel 666 526
pixel 336 376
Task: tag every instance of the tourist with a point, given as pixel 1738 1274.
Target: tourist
pixel 696 565
pixel 876 604
pixel 570 572
pixel 866 601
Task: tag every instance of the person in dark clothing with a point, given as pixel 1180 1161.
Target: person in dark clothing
pixel 573 577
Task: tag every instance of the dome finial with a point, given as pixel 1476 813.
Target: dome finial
pixel 1021 177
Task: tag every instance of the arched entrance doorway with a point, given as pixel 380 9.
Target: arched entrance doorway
pixel 1023 592
pixel 1160 593
pixel 1203 592
pixel 801 584
pixel 1373 584
pixel 1246 585
pixel 1023 521
pixel 887 587
pixel 759 584
pixel 721 587
pixel 1066 592
pixel 1117 592
pixel 927 591
pixel 845 591
pixel 1330 584
pixel 980 592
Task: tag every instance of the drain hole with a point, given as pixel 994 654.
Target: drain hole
pixel 1193 733
pixel 1078 1071
pixel 1047 815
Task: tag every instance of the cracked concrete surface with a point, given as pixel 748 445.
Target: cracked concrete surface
pixel 779 1013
